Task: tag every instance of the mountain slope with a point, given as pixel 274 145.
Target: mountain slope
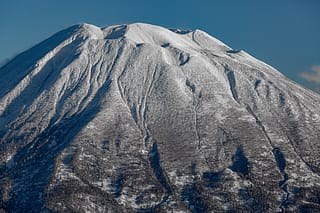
pixel 140 118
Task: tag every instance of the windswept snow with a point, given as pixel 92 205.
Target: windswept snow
pixel 139 118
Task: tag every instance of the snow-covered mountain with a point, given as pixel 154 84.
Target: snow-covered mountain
pixel 138 118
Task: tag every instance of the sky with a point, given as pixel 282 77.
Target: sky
pixel 282 33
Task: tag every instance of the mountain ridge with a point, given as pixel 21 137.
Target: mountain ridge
pixel 141 118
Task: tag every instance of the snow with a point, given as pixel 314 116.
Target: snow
pixel 96 105
pixel 10 161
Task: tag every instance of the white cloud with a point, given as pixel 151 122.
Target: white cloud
pixel 313 75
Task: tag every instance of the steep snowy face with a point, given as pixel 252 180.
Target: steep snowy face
pixel 141 118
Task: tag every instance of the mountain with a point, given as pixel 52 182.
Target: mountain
pixel 139 118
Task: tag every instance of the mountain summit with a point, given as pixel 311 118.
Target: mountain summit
pixel 139 118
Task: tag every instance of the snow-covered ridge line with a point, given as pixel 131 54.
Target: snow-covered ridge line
pixel 139 118
pixel 155 35
pixel 7 99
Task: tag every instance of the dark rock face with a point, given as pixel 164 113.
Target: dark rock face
pixel 138 118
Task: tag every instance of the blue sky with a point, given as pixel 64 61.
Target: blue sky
pixel 282 33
